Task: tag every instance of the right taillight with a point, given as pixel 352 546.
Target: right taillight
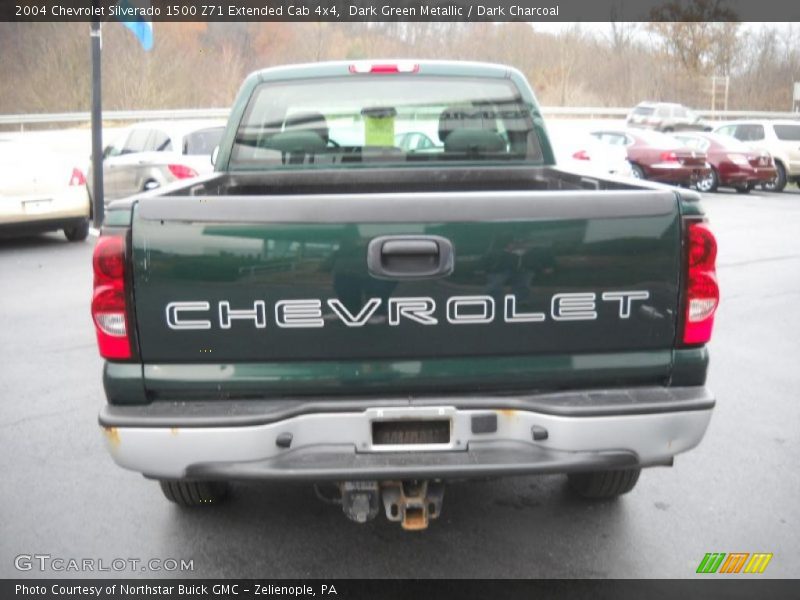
pixel 109 304
pixel 182 171
pixel 701 292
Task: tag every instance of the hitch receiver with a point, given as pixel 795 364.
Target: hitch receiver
pixel 412 503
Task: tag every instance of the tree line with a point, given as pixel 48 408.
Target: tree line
pixel 46 66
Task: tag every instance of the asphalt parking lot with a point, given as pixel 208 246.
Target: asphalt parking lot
pixel 60 493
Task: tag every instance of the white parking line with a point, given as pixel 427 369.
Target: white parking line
pixel 94 232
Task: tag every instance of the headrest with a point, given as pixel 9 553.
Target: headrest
pixel 464 117
pixel 474 141
pixel 297 142
pixel 308 121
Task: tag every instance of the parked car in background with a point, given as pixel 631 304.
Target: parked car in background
pixel 665 117
pixel 733 163
pixel 40 191
pixel 146 156
pixel 414 140
pixel 780 138
pixel 580 151
pixel 657 156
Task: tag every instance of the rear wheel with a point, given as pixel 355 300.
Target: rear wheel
pixel 709 183
pixel 77 233
pixel 637 171
pixel 777 184
pixel 194 493
pixel 604 485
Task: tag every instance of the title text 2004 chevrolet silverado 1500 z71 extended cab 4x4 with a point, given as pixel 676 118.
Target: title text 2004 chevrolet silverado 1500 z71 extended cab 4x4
pixel 329 307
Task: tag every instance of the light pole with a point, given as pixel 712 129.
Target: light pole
pixel 97 126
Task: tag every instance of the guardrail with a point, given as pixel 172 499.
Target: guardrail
pixel 22 121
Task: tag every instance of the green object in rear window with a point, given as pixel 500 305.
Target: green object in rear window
pixel 379 126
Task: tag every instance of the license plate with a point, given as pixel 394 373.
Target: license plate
pixel 35 207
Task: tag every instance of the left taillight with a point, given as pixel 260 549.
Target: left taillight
pixel 581 155
pixel 701 292
pixel 668 156
pixel 77 177
pixel 109 303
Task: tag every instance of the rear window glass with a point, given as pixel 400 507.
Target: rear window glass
pixel 361 121
pixel 160 142
pixel 137 142
pixel 658 140
pixel 788 133
pixel 729 143
pixel 694 143
pixel 202 141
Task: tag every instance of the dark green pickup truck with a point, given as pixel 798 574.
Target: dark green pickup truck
pixel 388 284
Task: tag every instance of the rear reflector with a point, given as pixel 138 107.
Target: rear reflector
pixel 182 171
pixel 701 289
pixel 109 306
pixel 384 68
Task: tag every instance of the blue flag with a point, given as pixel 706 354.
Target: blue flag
pixel 143 30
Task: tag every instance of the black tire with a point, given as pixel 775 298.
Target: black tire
pixel 637 171
pixel 77 233
pixel 668 130
pixel 779 182
pixel 604 485
pixel 194 493
pixel 710 183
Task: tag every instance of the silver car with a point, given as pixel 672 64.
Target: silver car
pixel 665 117
pixel 146 156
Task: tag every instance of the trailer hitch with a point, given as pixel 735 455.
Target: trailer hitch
pixel 411 503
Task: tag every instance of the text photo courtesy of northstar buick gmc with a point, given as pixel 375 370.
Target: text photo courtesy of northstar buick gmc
pixel 330 307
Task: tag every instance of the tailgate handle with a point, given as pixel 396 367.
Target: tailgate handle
pixel 410 257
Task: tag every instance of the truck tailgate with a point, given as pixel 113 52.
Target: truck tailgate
pixel 286 278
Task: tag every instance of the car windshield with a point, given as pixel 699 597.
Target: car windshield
pixel 788 133
pixel 360 121
pixel 643 110
pixel 202 141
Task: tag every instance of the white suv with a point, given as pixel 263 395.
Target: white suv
pixel 780 138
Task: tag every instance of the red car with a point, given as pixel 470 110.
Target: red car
pixel 733 164
pixel 658 156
